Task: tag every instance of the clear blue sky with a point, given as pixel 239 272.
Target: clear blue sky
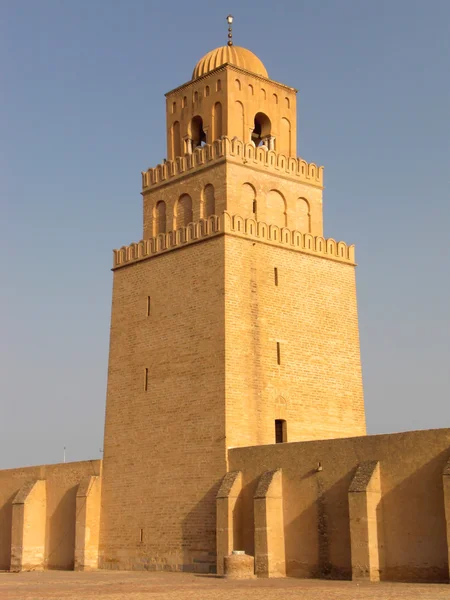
pixel 82 113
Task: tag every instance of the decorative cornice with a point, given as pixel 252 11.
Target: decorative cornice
pixel 236 226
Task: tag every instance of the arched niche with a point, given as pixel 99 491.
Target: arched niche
pixel 208 201
pixel 240 120
pixel 285 137
pixel 248 201
pixel 176 139
pixel 159 218
pixel 183 211
pixel 303 215
pixel 217 121
pixel 276 208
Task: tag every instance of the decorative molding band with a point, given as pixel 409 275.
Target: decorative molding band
pixel 238 226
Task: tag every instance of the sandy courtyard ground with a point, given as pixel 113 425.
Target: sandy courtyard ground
pixel 109 585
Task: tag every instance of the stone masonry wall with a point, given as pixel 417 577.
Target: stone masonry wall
pixel 164 449
pixel 61 483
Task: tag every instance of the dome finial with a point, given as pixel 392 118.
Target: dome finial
pixel 230 29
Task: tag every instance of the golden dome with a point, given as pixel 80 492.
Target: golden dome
pixel 234 55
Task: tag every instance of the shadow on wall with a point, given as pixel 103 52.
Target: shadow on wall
pixel 413 526
pixel 317 541
pixel 5 533
pixel 60 534
pixel 199 535
pixel 412 543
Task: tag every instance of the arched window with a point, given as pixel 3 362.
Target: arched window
pixel 237 84
pixel 217 120
pixel 160 217
pixel 184 103
pixel 183 211
pixel 218 85
pixel 209 201
pixel 207 90
pixel 262 128
pixel 275 98
pixel 174 107
pixel 176 139
pixel 196 132
pixel 195 96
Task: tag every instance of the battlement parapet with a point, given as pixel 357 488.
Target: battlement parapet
pixel 234 225
pixel 238 151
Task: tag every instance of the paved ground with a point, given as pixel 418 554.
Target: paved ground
pixel 63 585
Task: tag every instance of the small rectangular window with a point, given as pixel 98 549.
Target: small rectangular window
pixel 278 353
pixel 275 273
pixel 280 431
pixel 146 379
pixel 148 306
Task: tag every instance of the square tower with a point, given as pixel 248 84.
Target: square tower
pixel 234 322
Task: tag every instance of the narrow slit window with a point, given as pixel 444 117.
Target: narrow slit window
pixel 141 535
pixel 254 207
pixel 145 379
pixel 280 431
pixel 275 274
pixel 148 306
pixel 278 353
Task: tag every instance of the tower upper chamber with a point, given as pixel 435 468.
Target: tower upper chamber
pixel 230 94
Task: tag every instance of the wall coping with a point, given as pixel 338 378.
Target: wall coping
pixel 236 151
pixel 237 226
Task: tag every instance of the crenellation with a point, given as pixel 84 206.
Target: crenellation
pixel 237 225
pixel 237 151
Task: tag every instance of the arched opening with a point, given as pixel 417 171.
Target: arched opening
pixel 183 211
pixel 176 139
pixel 209 201
pixel 198 136
pixel 262 129
pixel 160 217
pixel 217 120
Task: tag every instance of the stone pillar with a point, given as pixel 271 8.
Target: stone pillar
pixel 228 517
pixel 364 499
pixel 446 480
pixel 87 526
pixel 29 516
pixel 270 558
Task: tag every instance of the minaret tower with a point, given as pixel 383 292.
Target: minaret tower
pixel 234 322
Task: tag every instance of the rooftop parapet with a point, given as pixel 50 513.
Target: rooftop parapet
pixel 234 225
pixel 237 151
